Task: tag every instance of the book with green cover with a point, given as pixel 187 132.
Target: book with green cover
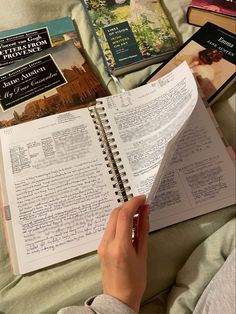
pixel 131 34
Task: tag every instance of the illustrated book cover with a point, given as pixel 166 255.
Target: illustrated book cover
pixel 131 34
pixel 62 174
pixel 19 43
pixel 211 55
pixel 55 80
pixel 220 12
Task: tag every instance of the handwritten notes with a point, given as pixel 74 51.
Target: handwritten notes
pixel 63 193
pixel 62 206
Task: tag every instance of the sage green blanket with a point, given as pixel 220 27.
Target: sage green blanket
pixel 198 246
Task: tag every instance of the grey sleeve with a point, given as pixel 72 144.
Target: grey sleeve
pixel 102 304
pixel 220 295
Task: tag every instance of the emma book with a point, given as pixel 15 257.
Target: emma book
pixel 131 34
pixel 63 174
pixel 210 53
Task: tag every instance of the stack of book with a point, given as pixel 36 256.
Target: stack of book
pixel 70 152
pixel 54 78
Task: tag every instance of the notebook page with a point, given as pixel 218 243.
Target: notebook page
pixel 59 190
pixel 197 175
pixel 146 119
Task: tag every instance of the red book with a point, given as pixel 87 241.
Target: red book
pixel 220 12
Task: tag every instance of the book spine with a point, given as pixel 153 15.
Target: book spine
pixel 111 153
pixel 85 5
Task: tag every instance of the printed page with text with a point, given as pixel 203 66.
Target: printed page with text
pixel 195 175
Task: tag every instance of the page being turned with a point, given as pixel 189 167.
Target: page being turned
pixel 199 178
pixel 146 119
pixel 59 189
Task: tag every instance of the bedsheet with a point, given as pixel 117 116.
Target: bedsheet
pixel 71 282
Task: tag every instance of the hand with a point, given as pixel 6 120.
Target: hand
pixel 123 260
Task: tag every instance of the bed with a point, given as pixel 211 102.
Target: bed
pixel 182 258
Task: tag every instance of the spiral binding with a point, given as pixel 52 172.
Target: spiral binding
pixel 111 152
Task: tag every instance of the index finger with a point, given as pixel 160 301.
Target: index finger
pixel 125 218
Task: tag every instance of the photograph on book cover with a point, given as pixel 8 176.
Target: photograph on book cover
pixel 210 53
pixel 208 66
pixel 19 43
pixel 131 32
pixel 52 81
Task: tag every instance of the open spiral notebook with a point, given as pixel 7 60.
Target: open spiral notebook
pixel 64 173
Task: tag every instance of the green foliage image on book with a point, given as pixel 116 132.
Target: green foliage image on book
pixel 147 23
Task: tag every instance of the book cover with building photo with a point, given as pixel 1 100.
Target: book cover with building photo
pixel 131 34
pixel 52 81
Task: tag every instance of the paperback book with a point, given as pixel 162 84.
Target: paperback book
pixel 131 34
pixel 220 12
pixel 62 174
pixel 55 80
pixel 19 43
pixel 211 55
